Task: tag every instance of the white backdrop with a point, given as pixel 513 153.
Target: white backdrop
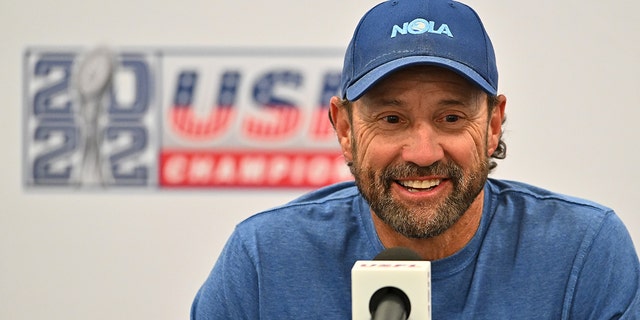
pixel 569 70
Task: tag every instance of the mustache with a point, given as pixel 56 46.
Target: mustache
pixel 406 170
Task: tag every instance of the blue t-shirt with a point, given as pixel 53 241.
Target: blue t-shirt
pixel 536 255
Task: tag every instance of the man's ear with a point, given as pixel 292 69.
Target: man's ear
pixel 339 116
pixel 495 125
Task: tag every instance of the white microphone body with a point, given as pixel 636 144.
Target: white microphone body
pixel 411 278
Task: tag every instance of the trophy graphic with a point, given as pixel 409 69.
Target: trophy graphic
pixel 94 76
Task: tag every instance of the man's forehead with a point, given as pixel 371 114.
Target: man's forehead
pixel 403 79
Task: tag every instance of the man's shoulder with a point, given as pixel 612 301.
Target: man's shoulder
pixel 527 196
pixel 332 193
pixel 328 220
pixel 330 201
pixel 541 211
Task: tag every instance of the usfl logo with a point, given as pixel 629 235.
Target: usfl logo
pixel 162 118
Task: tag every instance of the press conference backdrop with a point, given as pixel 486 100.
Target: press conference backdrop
pixel 569 69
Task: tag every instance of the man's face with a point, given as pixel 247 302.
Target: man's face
pixel 420 142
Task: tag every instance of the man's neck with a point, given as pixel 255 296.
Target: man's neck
pixel 441 246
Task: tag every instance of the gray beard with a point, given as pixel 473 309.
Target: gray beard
pixel 375 188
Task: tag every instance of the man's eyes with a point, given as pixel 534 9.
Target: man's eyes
pixel 391 119
pixel 445 119
pixel 451 118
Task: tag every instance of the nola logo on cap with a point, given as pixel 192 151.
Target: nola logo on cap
pixel 420 26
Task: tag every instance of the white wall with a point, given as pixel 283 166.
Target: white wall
pixel 569 69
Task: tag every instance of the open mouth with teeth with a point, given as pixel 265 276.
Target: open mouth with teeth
pixel 419 185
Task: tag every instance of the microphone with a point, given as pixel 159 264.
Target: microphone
pixel 395 285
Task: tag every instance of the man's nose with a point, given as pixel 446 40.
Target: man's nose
pixel 422 146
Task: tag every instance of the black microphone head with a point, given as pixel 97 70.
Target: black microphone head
pixel 398 254
pixel 388 296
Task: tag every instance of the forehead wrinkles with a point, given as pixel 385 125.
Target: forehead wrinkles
pixel 446 86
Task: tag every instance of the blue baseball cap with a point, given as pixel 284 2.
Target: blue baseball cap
pixel 400 33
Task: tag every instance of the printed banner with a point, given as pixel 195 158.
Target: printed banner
pixel 180 118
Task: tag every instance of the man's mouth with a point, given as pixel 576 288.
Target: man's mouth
pixel 419 185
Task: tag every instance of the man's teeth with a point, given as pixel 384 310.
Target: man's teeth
pixel 420 184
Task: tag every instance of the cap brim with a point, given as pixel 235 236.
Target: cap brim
pixel 358 88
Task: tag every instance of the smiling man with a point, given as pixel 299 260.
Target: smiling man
pixel 419 119
pixel 418 144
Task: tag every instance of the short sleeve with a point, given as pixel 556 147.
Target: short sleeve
pixel 230 291
pixel 608 282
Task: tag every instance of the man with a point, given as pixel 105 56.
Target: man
pixel 419 119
